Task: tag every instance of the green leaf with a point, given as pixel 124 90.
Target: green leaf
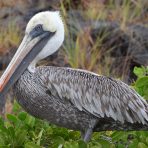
pixel 1 122
pixel 74 135
pixel 22 116
pixel 94 144
pixel 4 146
pixel 11 132
pixel 142 82
pixel 3 129
pixel 31 145
pixel 141 86
pixel 82 144
pixel 16 107
pixel 134 143
pixel 2 140
pixel 142 145
pixel 104 143
pixel 58 141
pixel 139 71
pixel 117 135
pixel 121 145
pixel 12 118
pixel 141 133
pixel 72 144
pixel 30 121
pixel 146 140
pixel 20 136
pixel 40 136
pixel 63 132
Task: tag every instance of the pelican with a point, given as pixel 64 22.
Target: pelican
pixel 72 98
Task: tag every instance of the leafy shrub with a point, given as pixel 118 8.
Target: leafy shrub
pixel 141 85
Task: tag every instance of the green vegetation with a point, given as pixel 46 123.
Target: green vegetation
pixel 141 85
pixel 22 130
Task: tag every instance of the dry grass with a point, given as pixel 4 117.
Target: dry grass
pixel 85 53
pixel 9 37
pixel 12 3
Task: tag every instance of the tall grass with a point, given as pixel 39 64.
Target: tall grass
pixel 84 52
pixel 9 36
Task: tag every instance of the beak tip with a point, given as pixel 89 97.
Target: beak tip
pixel 1 87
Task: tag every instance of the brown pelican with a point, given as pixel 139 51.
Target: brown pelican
pixel 72 98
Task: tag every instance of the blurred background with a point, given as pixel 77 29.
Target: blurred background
pixel 108 37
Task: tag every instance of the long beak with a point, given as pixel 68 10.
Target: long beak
pixel 27 51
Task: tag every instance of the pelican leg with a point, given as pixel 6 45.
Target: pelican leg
pixel 86 136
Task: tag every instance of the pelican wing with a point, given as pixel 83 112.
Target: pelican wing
pixel 98 95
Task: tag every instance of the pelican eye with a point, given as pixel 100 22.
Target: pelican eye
pixel 38 27
pixel 37 31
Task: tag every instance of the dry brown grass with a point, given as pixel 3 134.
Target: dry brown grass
pixel 9 37
pixel 13 3
pixel 91 55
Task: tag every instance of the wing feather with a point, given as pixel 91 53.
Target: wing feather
pixel 99 95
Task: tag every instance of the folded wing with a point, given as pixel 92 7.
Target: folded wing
pixel 98 95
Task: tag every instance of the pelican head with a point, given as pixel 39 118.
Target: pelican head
pixel 44 35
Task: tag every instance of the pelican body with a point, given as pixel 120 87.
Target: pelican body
pixel 72 98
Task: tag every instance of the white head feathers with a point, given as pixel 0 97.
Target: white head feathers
pixel 51 21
